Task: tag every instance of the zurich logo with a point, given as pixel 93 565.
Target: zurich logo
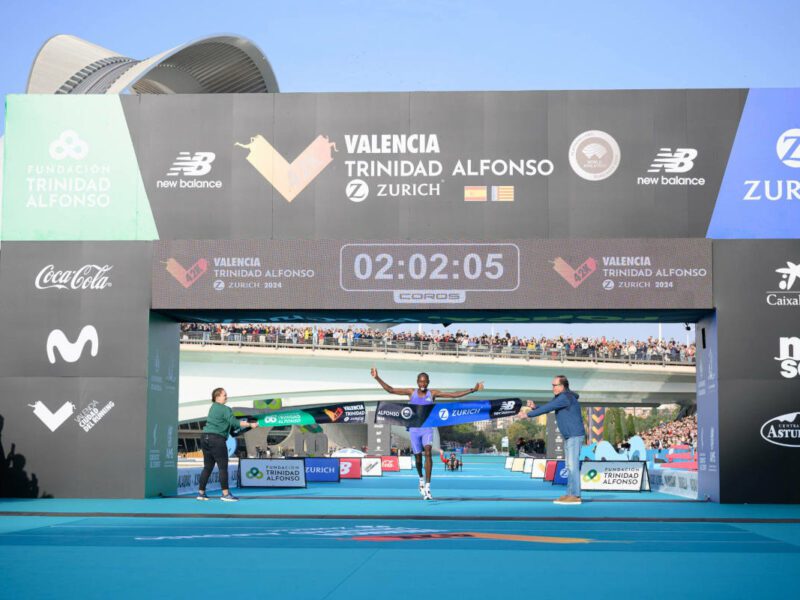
pixel 444 414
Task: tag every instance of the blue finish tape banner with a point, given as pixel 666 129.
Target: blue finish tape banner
pixel 443 414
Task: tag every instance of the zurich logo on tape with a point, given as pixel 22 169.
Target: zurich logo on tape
pixel 444 414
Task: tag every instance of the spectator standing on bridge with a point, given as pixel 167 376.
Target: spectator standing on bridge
pixel 422 437
pixel 570 424
pixel 219 423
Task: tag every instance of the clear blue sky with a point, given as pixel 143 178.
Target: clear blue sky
pixel 402 45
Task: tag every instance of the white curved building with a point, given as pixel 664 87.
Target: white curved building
pixel 219 64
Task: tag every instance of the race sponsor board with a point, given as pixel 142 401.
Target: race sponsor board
pixel 677 482
pixel 350 468
pixel 518 465
pixel 335 275
pixel 272 472
pixel 371 466
pixel 322 470
pixel 550 470
pixel 405 463
pixel 528 468
pixel 509 462
pixel 390 463
pixel 561 473
pixel 539 468
pixel 614 476
pixel 189 479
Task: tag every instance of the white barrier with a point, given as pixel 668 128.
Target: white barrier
pixel 674 481
pixel 189 479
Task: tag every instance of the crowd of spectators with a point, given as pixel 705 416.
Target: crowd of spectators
pixel 682 432
pixel 600 348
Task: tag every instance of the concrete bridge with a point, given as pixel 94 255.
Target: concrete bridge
pixel 306 377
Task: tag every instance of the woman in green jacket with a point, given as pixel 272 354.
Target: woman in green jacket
pixel 218 425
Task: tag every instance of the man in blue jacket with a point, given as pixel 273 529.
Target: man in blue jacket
pixel 570 424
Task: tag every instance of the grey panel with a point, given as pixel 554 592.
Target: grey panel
pixel 74 308
pixel 474 138
pixel 97 446
pixel 757 381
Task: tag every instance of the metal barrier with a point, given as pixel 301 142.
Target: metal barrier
pixel 423 348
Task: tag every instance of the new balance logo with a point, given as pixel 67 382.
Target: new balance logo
pixel 192 165
pixel 508 405
pixel 71 351
pixel 53 420
pixel 679 161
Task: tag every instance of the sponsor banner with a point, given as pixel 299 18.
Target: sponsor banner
pixel 371 466
pixel 561 473
pixel 675 482
pixel 783 430
pixel 350 468
pixel 614 476
pixel 334 413
pixel 528 468
pixel 338 275
pixel 538 469
pixel 518 465
pixel 454 413
pixel 405 463
pixel 272 472
pixel 509 462
pixel 550 470
pixel 322 469
pixel 407 415
pixel 390 463
pixel 189 479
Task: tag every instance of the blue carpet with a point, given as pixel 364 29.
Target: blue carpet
pixel 326 542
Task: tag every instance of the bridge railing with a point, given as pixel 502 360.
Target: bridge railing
pixel 425 348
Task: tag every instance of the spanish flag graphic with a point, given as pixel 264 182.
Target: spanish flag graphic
pixel 502 193
pixel 474 193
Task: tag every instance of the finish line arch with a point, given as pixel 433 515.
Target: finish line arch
pixel 124 215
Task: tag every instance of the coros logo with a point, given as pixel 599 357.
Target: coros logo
pixel 789 357
pixel 406 412
pixel 87 277
pixel 788 148
pixel 783 430
pixel 594 155
pixel 289 179
pixel 444 414
pixel 68 145
pixel 71 351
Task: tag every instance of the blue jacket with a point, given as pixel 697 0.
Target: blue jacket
pixel 568 414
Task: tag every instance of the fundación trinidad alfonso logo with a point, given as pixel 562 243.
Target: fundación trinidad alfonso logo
pixel 68 145
pixel 289 179
pixel 594 155
pixel 575 277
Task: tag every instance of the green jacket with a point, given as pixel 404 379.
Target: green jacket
pixel 220 420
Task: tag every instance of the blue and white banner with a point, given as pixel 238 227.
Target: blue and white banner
pixel 322 470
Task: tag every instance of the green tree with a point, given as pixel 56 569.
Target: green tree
pixel 630 427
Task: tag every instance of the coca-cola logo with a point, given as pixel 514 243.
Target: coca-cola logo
pixel 87 277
